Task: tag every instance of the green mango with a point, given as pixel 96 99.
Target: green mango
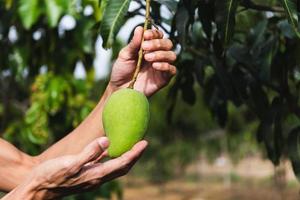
pixel 125 120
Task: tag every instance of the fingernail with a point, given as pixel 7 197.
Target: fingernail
pixel 104 142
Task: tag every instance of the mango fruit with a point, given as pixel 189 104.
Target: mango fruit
pixel 125 120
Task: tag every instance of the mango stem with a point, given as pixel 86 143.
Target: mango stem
pixel 141 53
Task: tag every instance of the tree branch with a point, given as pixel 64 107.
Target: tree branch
pixel 248 4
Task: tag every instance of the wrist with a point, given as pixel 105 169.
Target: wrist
pixel 27 191
pixel 111 88
pixel 33 189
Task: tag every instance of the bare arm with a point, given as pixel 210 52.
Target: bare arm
pixel 156 67
pixel 86 132
pixel 14 166
pixel 76 173
pixel 156 73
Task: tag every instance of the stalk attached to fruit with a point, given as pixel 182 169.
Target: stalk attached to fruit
pixel 140 58
pixel 126 113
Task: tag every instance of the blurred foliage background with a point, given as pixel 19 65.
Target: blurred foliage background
pixel 238 79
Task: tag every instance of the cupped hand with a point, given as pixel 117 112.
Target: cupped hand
pixel 157 69
pixel 77 173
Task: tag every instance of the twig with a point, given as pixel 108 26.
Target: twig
pixel 140 59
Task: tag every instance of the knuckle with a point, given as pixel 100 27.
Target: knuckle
pixel 67 163
pixel 149 33
pixel 165 65
pixel 158 44
pixel 122 53
pixel 155 56
pixel 69 167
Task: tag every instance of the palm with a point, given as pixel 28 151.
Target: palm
pixel 149 79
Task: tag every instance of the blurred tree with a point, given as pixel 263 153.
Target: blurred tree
pixel 38 56
pixel 241 55
pixel 41 43
pixel 241 52
pixel 193 132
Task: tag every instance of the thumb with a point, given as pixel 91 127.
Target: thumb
pixel 93 150
pixel 134 46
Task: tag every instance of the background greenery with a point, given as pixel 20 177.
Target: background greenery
pixel 238 63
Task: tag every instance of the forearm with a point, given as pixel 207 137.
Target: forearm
pixel 14 166
pixel 86 132
pixel 28 190
pixel 20 193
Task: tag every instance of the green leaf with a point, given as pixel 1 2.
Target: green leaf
pixel 182 24
pixel 290 7
pixel 54 10
pixel 113 19
pixel 8 4
pixel 225 18
pixel 98 7
pixel 29 12
pixel 100 10
pixel 206 16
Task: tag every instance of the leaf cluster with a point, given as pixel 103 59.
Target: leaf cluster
pixel 240 52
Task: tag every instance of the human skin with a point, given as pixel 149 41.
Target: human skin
pixel 71 174
pixel 157 70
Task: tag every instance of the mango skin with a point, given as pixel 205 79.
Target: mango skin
pixel 125 120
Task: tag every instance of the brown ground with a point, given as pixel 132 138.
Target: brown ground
pixel 182 190
pixel 253 179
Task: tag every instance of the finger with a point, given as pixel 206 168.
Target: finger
pixel 160 56
pixel 133 47
pixel 127 160
pixel 103 155
pixel 165 67
pixel 93 151
pixel 118 165
pixel 157 44
pixel 153 34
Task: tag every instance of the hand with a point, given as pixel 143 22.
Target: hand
pixel 76 173
pixel 156 71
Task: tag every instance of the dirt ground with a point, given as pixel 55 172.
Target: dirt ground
pixel 251 179
pixel 182 190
